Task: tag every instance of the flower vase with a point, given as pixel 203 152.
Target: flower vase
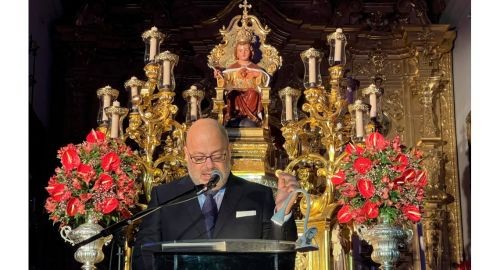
pixel 91 253
pixel 385 238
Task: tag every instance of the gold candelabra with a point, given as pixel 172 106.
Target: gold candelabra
pixel 151 123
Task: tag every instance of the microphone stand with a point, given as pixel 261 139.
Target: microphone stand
pixel 199 189
pixel 304 242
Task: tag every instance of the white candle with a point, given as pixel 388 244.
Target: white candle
pixel 115 122
pixel 359 121
pixel 373 103
pixel 133 91
pixel 312 70
pixel 166 72
pixel 152 48
pixel 288 107
pixel 194 108
pixel 106 103
pixel 338 47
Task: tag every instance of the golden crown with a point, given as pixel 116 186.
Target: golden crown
pixel 244 36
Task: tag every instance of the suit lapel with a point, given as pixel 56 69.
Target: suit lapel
pixel 193 208
pixel 232 196
pixel 197 220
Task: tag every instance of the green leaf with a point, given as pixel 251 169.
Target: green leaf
pixel 394 195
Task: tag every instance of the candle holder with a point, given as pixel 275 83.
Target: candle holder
pixel 289 97
pixel 379 121
pixel 107 95
pixel 133 85
pixel 359 110
pixel 168 60
pixel 153 39
pixel 337 43
pixel 312 60
pixel 193 97
pixel 116 113
pixel 151 122
pixel 152 71
pixel 372 92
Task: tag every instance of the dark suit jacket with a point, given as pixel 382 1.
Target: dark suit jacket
pixel 185 221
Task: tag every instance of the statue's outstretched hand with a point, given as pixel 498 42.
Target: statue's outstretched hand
pixel 219 77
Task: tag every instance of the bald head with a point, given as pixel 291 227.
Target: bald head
pixel 207 127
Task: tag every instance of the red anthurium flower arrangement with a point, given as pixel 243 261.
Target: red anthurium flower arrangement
pixel 96 180
pixel 380 179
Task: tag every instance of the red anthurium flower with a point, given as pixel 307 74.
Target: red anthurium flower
pixel 95 136
pixel 370 209
pixel 412 212
pixel 421 178
pixel 70 159
pixel 104 182
pixel 86 172
pixel 354 149
pixel 406 176
pixel 338 178
pixel 54 186
pixel 57 191
pixel 401 162
pixel 362 165
pixel 344 215
pixel 108 205
pixel 366 188
pixel 376 141
pixel 110 162
pixel 75 207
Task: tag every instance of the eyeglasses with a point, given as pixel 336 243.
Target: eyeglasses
pixel 213 157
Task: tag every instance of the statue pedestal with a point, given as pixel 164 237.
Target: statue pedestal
pixel 251 155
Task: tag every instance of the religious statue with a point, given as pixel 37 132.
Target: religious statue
pixel 242 81
pixel 243 64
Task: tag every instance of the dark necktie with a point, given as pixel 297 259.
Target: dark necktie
pixel 209 211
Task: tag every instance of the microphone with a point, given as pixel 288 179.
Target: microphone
pixel 215 176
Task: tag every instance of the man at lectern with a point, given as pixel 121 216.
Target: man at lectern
pixel 234 209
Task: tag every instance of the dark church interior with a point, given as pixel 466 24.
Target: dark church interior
pixel 79 46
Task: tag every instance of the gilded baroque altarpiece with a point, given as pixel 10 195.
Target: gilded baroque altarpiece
pixel 392 40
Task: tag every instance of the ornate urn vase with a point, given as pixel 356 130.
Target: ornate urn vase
pixel 91 253
pixel 385 238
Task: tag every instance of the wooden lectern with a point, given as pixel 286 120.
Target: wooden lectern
pixel 220 254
